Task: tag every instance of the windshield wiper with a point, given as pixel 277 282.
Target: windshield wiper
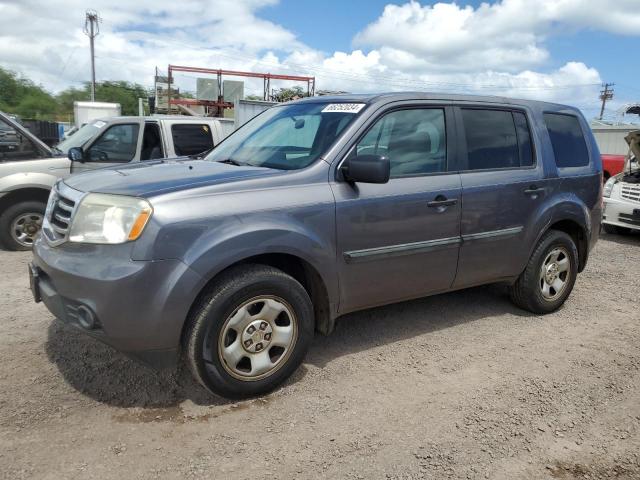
pixel 201 154
pixel 231 161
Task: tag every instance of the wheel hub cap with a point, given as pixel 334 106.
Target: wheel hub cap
pixel 25 228
pixel 257 339
pixel 257 336
pixel 554 273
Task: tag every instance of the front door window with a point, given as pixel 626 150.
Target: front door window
pixel 117 145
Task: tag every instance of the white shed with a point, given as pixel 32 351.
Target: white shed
pixel 610 138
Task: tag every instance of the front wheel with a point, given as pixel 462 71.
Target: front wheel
pixel 20 224
pixel 549 276
pixel 250 332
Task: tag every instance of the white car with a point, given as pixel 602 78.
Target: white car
pixel 29 168
pixel 622 193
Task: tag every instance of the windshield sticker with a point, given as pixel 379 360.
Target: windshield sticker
pixel 99 124
pixel 343 107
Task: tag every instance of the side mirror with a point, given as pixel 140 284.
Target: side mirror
pixel 367 169
pixel 76 154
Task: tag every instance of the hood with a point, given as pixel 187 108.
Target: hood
pixel 45 149
pixel 633 139
pixel 155 177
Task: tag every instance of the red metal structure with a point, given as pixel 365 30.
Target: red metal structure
pixel 220 104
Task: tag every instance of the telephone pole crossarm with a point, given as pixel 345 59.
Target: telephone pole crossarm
pixel 605 94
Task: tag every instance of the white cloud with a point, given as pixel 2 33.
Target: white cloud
pixel 507 35
pixel 496 48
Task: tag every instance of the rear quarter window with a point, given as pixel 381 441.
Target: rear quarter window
pixel 191 138
pixel 567 140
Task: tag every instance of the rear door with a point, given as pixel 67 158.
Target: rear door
pixel 400 240
pixel 502 186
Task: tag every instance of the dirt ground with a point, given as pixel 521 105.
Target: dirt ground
pixel 462 385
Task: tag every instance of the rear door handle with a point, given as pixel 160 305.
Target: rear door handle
pixel 534 190
pixel 442 201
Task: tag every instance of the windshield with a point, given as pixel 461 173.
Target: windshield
pixel 81 137
pixel 287 137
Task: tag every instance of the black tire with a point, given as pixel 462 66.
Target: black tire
pixel 526 292
pixel 615 229
pixel 205 327
pixel 7 218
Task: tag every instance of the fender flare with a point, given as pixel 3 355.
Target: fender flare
pixel 565 208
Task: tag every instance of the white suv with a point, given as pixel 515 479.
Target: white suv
pixel 622 193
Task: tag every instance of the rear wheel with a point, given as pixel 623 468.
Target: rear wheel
pixel 250 332
pixel 549 276
pixel 20 224
pixel 615 229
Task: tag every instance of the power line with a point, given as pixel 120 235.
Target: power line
pixel 92 30
pixel 378 79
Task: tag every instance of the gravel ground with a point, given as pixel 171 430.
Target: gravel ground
pixel 462 385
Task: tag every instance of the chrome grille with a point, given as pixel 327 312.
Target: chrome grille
pixel 631 191
pixel 59 213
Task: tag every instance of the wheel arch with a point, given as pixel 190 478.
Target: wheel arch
pixel 572 218
pixel 24 194
pixel 293 264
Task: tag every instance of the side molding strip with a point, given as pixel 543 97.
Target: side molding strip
pixel 398 250
pixel 426 246
pixel 507 232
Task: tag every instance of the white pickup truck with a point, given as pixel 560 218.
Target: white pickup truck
pixel 29 168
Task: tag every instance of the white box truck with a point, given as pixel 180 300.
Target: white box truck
pixel 85 112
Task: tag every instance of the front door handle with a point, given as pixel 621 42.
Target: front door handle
pixel 442 201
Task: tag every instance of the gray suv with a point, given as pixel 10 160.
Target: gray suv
pixel 314 209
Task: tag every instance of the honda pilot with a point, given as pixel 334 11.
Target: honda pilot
pixel 314 209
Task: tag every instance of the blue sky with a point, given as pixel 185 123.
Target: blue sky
pixel 330 25
pixel 555 50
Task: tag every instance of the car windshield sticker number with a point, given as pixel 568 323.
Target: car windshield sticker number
pixel 343 107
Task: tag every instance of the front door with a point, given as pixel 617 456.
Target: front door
pixel 502 187
pixel 400 240
pixel 118 144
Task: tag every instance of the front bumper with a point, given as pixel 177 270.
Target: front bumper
pixel 621 213
pixel 138 307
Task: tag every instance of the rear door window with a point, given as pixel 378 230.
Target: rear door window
pixel 525 144
pixel 191 138
pixel 492 141
pixel 567 140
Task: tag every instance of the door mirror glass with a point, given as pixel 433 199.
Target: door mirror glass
pixel 367 169
pixel 76 154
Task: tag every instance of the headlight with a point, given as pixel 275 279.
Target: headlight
pixel 608 187
pixel 104 218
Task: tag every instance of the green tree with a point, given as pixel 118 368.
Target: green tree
pixel 124 93
pixel 21 96
pixel 287 94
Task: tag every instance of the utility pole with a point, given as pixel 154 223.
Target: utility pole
pixel 605 94
pixel 92 29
